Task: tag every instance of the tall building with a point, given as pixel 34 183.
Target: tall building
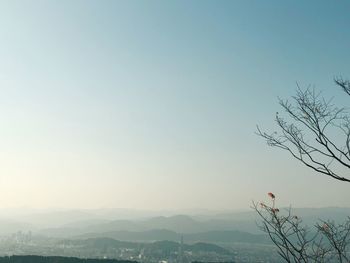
pixel 181 251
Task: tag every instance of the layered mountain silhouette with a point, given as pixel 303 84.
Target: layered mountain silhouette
pixel 210 227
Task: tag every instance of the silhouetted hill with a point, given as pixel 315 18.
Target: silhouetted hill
pixel 148 236
pixel 82 222
pixel 227 237
pixel 59 218
pixel 102 243
pixel 162 234
pixel 40 259
pixel 179 223
pixel 164 246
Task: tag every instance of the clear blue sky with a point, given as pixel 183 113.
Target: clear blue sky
pixel 153 104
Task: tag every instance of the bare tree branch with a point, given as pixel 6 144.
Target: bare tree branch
pixel 328 242
pixel 316 133
pixel 310 130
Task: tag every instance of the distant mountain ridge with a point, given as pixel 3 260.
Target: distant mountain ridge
pixel 178 223
pixel 163 234
pixel 42 259
pixel 74 223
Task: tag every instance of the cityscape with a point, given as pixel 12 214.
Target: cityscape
pixel 182 131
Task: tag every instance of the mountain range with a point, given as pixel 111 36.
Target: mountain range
pixel 209 227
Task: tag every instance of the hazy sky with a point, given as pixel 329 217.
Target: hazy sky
pixel 153 104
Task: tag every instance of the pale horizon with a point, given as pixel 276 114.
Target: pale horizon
pixel 154 105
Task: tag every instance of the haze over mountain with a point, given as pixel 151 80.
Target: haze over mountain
pixel 137 121
pixel 140 225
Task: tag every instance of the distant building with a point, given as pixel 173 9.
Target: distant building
pixel 180 258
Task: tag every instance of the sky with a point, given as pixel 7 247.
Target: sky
pixel 154 104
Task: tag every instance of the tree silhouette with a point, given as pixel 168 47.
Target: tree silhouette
pixel 327 242
pixel 316 133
